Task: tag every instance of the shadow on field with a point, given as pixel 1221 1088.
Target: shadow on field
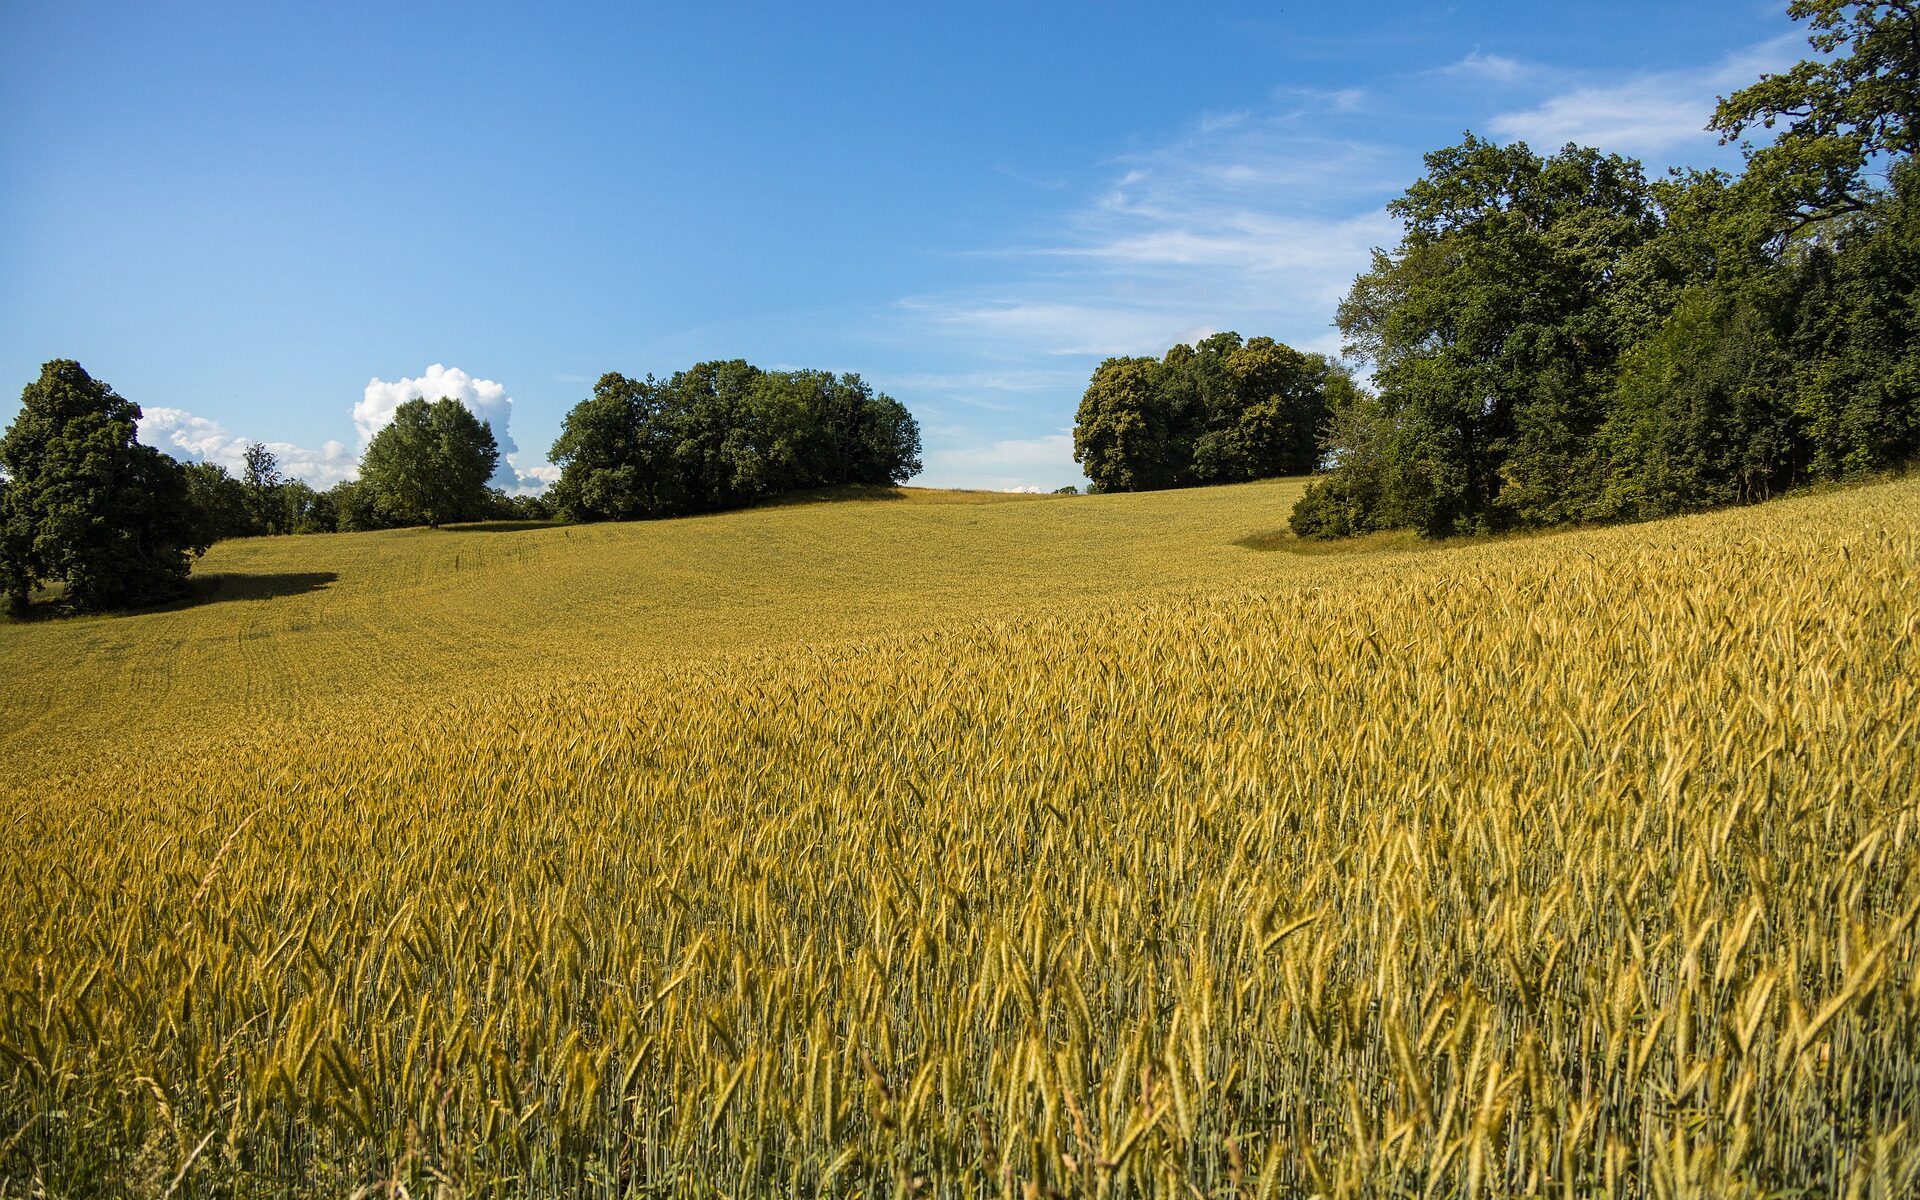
pixel 236 585
pixel 501 526
pixel 832 495
pixel 49 604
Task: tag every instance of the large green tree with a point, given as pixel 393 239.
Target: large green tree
pixel 1128 432
pixel 86 504
pixel 431 463
pixel 220 501
pixel 1493 330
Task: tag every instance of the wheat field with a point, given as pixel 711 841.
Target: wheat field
pixel 971 846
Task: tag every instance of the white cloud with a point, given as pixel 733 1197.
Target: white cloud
pixel 1010 465
pixel 1030 379
pixel 1211 122
pixel 484 398
pixel 1254 221
pixel 208 441
pixel 1339 100
pixel 1065 328
pixel 533 480
pixel 1650 114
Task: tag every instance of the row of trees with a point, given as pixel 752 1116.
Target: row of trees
pixel 428 466
pixel 1559 339
pixel 1223 411
pixel 83 503
pixel 722 435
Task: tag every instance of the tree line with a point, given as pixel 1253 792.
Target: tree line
pixel 118 523
pixel 1561 339
pixel 429 466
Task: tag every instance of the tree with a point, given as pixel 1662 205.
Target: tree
pixel 262 480
pixel 219 500
pixel 1491 328
pixel 88 505
pixel 1127 431
pixel 262 468
pixel 725 434
pixel 431 464
pixel 355 507
pixel 1857 334
pixel 612 454
pixel 1367 490
pixel 1223 411
pixel 1840 111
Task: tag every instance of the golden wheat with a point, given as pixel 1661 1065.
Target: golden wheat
pixel 1582 865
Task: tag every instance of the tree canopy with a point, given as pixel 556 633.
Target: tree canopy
pixel 1223 411
pixel 722 435
pixel 1832 115
pixel 430 464
pixel 87 505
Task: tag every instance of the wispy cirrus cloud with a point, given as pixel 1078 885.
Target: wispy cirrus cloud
pixel 1650 115
pixel 1248 220
pixel 1255 219
pixel 1496 68
pixel 1244 221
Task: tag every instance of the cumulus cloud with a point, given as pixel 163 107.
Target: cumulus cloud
pixel 484 398
pixel 188 436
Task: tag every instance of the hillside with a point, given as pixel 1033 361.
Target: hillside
pixel 287 624
pixel 1003 844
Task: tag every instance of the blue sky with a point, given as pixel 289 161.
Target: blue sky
pixel 270 221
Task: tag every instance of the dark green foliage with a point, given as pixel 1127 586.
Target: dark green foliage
pixel 1125 436
pixel 1368 490
pixel 1490 328
pixel 220 502
pixel 355 507
pixel 722 435
pixel 502 507
pixel 276 504
pixel 1224 411
pixel 1856 336
pixel 87 505
pixel 431 464
pixel 261 502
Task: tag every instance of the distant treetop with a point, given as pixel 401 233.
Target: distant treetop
pixel 1223 411
pixel 723 435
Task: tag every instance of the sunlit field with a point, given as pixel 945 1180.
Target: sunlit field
pixel 965 845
